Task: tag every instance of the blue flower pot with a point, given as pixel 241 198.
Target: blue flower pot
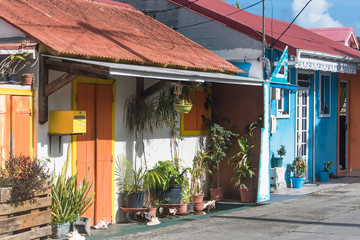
pixel 324 176
pixel 297 182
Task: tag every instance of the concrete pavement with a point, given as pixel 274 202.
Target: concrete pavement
pixel 331 211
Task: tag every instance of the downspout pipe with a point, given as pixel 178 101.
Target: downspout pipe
pixel 267 66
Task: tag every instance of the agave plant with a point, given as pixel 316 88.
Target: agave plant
pixel 69 200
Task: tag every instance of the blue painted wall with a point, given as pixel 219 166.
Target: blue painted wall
pixel 326 130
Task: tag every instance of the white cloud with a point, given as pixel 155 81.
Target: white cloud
pixel 315 15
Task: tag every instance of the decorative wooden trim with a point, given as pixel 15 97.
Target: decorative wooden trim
pixel 59 83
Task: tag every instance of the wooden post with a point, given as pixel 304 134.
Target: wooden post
pixel 139 86
pixel 43 100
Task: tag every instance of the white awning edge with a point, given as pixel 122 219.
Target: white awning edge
pixel 311 60
pixel 119 69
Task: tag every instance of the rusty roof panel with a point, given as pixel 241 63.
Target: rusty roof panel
pixel 108 31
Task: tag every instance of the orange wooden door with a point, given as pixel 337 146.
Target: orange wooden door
pixel 85 160
pixel 4 129
pixel 20 125
pixel 94 149
pixel 103 153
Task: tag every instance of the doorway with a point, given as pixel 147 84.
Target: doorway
pixel 343 125
pixel 94 150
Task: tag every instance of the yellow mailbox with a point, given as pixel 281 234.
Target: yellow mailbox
pixel 67 122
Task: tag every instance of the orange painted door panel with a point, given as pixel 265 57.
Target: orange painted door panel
pixel 20 125
pixel 94 149
pixel 103 152
pixel 4 129
pixel 86 143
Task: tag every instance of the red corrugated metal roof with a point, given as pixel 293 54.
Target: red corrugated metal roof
pixel 103 31
pixel 343 35
pixel 250 24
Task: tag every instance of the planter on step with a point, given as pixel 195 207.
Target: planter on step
pixel 135 200
pixel 277 161
pixel 60 230
pixel 82 225
pixel 182 209
pixel 297 182
pixel 324 176
pixel 195 198
pixel 172 195
pixel 248 195
pixel 199 206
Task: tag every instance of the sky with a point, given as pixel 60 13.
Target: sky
pixel 318 14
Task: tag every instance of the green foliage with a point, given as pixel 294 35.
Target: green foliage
pixel 220 142
pixel 133 180
pixel 241 161
pixel 146 114
pixel 327 166
pixel 298 166
pixel 25 176
pixel 281 151
pixel 13 64
pixel 68 199
pixel 172 174
pixel 198 172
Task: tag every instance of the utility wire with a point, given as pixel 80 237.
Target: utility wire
pixel 167 10
pixel 291 23
pixel 211 20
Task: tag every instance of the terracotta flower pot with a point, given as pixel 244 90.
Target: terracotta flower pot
pixel 26 79
pixel 195 198
pixel 199 206
pixel 152 211
pixel 182 210
pixel 216 193
pixel 248 195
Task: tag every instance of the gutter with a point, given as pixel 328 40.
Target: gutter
pixel 328 56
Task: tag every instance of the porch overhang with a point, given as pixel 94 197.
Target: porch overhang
pixel 312 60
pixel 160 73
pixel 285 86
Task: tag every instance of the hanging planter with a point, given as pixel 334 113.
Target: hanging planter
pixel 180 108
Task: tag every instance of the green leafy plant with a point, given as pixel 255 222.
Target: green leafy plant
pixel 198 172
pixel 298 167
pixel 219 143
pixel 241 161
pixel 281 151
pixel 133 180
pixel 69 201
pixel 13 64
pixel 327 166
pixel 25 176
pixel 172 174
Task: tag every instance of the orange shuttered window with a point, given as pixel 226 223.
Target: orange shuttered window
pixel 193 123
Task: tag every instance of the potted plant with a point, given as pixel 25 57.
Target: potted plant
pixel 27 78
pixel 173 180
pixel 298 167
pixel 198 175
pixel 69 202
pixel 133 181
pixel 12 65
pixel 243 171
pixel 219 142
pixel 184 105
pixel 277 161
pixel 324 175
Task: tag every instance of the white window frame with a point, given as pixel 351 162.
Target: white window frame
pixel 280 111
pixel 320 96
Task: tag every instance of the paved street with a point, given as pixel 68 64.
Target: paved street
pixel 328 214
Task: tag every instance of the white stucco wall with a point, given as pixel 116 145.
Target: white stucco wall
pixel 7 30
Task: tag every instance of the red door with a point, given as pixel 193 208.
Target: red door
pixel 94 149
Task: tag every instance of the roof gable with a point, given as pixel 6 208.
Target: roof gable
pixel 251 24
pixel 343 35
pixel 113 32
